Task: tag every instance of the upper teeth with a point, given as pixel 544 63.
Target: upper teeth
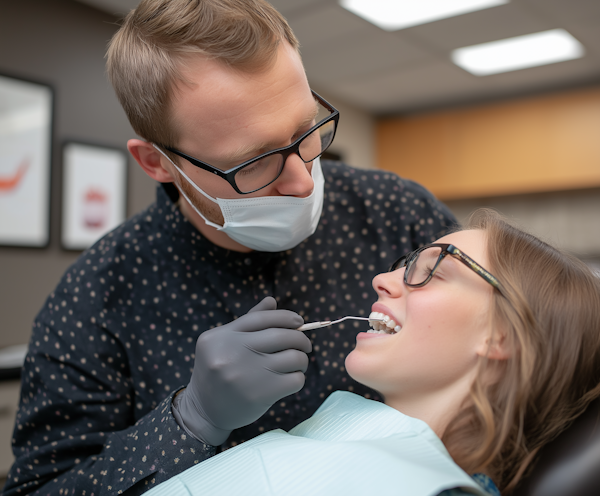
pixel 382 324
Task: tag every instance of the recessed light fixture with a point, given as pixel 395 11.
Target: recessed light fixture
pixel 520 52
pixel 392 15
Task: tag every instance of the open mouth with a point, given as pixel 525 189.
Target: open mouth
pixel 385 326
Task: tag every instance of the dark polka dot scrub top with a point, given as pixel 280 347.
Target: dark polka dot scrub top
pixel 115 340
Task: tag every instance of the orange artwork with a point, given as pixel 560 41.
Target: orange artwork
pixel 10 183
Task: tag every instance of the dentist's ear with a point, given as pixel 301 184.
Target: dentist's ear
pixel 150 159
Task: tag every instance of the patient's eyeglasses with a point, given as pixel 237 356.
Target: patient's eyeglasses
pixel 422 263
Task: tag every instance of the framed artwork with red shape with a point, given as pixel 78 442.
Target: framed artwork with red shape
pixel 25 162
pixel 94 193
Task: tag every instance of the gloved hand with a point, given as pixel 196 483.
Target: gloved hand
pixel 241 369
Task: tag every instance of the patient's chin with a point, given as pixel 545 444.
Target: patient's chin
pixel 354 368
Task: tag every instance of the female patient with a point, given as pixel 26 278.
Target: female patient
pixel 491 345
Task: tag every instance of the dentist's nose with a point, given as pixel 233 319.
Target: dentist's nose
pixel 295 179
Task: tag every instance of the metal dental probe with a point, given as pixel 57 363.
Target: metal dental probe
pixel 325 323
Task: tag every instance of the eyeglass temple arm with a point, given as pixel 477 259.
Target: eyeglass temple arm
pixel 472 264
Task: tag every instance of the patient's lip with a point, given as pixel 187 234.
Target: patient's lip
pixel 9 183
pixel 367 335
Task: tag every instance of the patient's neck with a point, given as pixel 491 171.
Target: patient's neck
pixel 435 408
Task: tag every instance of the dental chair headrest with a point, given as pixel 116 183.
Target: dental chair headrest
pixel 569 465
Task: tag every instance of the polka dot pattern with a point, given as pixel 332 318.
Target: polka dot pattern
pixel 116 338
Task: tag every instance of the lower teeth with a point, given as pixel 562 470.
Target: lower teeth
pixel 373 331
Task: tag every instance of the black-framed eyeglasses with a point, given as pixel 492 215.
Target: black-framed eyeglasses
pixel 422 263
pixel 260 171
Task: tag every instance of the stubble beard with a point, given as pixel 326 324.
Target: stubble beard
pixel 209 209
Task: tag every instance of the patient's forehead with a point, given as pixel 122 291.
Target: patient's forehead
pixel 473 242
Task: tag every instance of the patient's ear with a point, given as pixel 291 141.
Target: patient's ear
pixel 495 347
pixel 150 159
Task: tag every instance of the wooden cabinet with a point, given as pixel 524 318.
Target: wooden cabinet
pixel 546 143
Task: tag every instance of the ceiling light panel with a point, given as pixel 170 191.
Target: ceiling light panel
pixel 392 15
pixel 521 52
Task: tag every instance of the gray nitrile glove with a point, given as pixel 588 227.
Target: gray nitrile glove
pixel 241 369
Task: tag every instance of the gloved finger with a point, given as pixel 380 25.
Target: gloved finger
pixel 287 384
pixel 273 340
pixel 268 303
pixel 259 320
pixel 286 361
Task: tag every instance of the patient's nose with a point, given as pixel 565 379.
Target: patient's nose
pixel 389 283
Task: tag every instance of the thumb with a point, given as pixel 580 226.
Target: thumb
pixel 267 303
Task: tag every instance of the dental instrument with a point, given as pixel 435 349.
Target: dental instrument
pixel 324 323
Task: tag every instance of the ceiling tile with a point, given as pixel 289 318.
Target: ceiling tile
pixel 441 84
pixel 562 74
pixel 360 55
pixel 567 10
pixel 290 7
pixel 496 23
pixel 588 33
pixel 324 24
pixel 417 87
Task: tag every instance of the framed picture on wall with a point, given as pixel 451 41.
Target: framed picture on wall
pixel 25 162
pixel 94 193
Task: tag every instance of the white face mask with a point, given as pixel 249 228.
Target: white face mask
pixel 267 223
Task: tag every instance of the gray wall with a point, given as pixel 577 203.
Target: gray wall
pixel 355 135
pixel 569 220
pixel 61 43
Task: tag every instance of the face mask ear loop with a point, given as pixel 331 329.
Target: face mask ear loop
pixel 196 187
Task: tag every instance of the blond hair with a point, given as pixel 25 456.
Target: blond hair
pixel 145 56
pixel 549 314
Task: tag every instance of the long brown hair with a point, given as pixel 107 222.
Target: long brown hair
pixel 549 315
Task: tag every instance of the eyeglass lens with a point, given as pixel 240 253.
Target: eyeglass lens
pixel 420 268
pixel 264 171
